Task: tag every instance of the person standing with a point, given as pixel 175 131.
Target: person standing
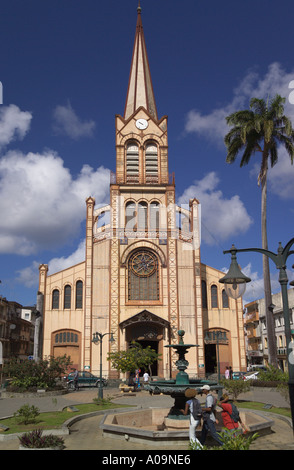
pixel 230 414
pixel 209 419
pixel 227 373
pixel 231 372
pixel 146 377
pixel 193 406
pixel 76 379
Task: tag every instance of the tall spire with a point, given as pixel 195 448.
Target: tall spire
pixel 140 90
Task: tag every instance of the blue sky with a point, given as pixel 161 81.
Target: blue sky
pixel 64 69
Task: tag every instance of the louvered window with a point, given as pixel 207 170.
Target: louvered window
pixel 132 163
pixel 151 162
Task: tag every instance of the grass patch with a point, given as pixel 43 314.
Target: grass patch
pixel 260 407
pixel 54 419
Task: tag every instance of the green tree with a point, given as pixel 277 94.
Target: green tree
pixel 261 129
pixel 134 358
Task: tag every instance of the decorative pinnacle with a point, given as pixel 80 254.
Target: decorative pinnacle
pixel 139 9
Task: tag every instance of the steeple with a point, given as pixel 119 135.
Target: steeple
pixel 140 90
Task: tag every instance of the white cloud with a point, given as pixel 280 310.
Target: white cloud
pixel 68 123
pixel 58 264
pixel 41 204
pixel 29 276
pixel 281 176
pixel 221 218
pixel 14 124
pixel 213 126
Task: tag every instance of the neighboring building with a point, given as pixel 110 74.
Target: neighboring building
pixel 279 327
pixel 256 330
pixel 253 340
pixel 142 278
pixel 16 334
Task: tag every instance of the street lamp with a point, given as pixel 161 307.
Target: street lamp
pixel 235 278
pixel 97 338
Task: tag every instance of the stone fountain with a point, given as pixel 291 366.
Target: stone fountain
pixel 176 388
pixel 168 426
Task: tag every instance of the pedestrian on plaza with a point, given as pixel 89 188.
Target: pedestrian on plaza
pixel 209 419
pixel 146 377
pixel 138 377
pixel 76 379
pixel 231 372
pixel 193 406
pixel 230 414
pixel 227 373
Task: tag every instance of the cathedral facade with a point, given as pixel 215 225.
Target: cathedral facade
pixel 142 278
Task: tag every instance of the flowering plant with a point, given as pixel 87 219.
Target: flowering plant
pixel 34 439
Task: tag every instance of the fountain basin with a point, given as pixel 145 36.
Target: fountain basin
pixel 177 391
pixel 153 426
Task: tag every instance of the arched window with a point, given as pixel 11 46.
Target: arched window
pixel 67 296
pixel 214 302
pixel 131 219
pixel 151 162
pixel 225 299
pixel 204 294
pixel 79 294
pixel 55 299
pixel 154 216
pixel 142 215
pixel 143 276
pixel 132 163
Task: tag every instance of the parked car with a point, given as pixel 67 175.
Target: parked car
pixel 251 376
pixel 238 375
pixel 85 379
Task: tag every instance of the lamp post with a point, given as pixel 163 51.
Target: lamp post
pixel 97 338
pixel 235 282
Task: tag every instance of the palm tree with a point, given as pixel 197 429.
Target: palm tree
pixel 261 129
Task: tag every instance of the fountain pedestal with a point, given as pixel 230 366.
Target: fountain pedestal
pixel 176 388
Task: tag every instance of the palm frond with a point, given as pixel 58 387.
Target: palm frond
pixel 273 154
pixel 258 105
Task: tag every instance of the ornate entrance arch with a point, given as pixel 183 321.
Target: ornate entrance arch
pixel 147 329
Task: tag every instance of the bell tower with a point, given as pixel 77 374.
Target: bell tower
pixel 141 138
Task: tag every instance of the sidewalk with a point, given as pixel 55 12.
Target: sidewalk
pixel 86 435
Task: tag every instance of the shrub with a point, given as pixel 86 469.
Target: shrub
pixel 231 441
pixel 235 387
pixel 273 374
pixel 31 375
pixel 34 439
pixel 27 414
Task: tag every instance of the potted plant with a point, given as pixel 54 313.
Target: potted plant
pixel 34 440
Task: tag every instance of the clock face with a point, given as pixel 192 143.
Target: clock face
pixel 141 124
pixel 143 263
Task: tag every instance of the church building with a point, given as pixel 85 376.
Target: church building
pixel 142 278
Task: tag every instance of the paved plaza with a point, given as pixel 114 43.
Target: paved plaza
pixel 86 435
